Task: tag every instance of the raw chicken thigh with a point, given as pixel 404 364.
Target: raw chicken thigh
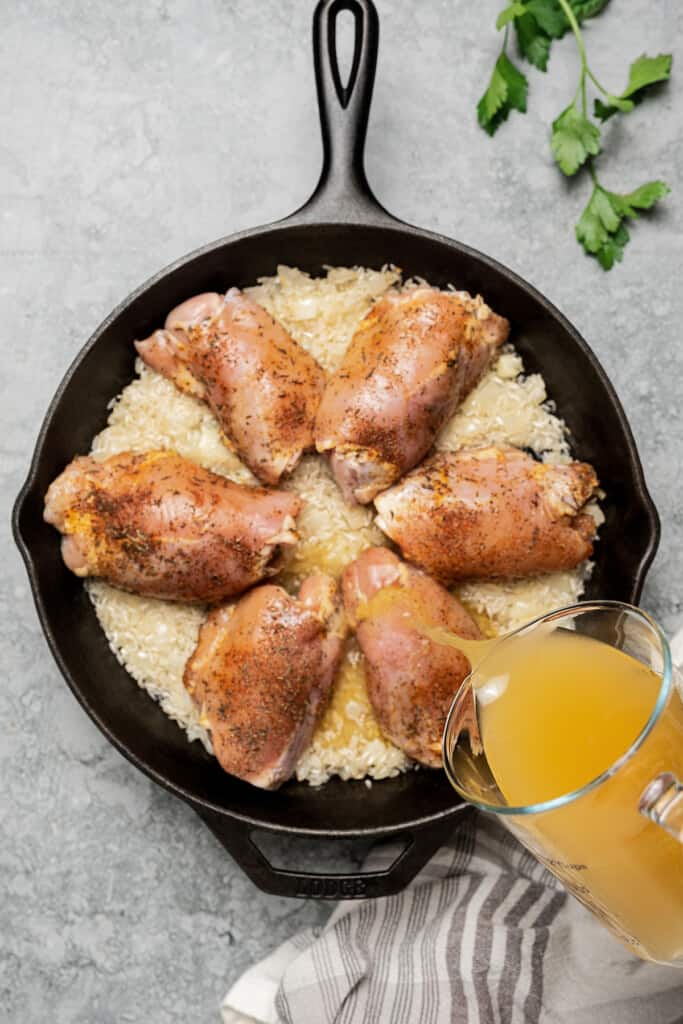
pixel 262 673
pixel 488 512
pixel 262 386
pixel 160 526
pixel 411 678
pixel 409 365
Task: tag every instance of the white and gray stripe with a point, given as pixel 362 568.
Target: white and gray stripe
pixel 484 935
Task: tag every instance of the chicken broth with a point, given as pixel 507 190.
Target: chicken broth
pixel 153 639
pixel 349 713
pixel 390 598
pixel 555 711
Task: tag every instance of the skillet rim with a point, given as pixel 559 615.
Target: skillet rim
pixel 387 223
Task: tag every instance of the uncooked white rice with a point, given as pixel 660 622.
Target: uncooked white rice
pixel 153 639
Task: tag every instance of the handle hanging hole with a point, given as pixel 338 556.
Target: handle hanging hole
pixel 345 44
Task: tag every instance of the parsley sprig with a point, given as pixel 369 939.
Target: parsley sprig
pixel 576 136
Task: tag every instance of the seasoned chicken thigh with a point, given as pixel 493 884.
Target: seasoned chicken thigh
pixel 261 674
pixel 263 387
pixel 158 525
pixel 487 512
pixel 410 363
pixel 411 679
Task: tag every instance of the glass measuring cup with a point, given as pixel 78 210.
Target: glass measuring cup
pixel 616 840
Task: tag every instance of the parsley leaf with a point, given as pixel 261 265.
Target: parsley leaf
pixel 598 221
pixel 507 90
pixel 643 198
pixel 533 43
pixel 643 73
pixel 538 22
pixel 601 229
pixel 574 139
pixel 549 16
pixel 647 195
pixel 613 249
pixel 514 10
pixel 614 104
pixel 490 109
pixel 584 9
pixel 646 71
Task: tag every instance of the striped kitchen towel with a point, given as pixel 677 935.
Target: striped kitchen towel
pixel 483 935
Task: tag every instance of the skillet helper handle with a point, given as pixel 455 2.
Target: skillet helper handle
pixel 343 192
pixel 238 841
pixel 662 799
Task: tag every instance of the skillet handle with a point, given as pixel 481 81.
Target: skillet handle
pixel 237 839
pixel 343 193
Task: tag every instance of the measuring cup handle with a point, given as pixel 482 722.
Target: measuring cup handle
pixel 662 802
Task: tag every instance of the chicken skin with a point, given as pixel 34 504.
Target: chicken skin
pixel 411 679
pixel 261 674
pixel 158 525
pixel 262 386
pixel 409 365
pixel 491 512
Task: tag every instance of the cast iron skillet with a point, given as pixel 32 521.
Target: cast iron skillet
pixel 342 224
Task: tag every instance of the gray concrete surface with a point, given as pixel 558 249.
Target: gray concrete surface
pixel 129 134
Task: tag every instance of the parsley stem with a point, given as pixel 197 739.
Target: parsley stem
pixel 584 102
pixel 593 174
pixel 585 70
pixel 595 82
pixel 574 26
